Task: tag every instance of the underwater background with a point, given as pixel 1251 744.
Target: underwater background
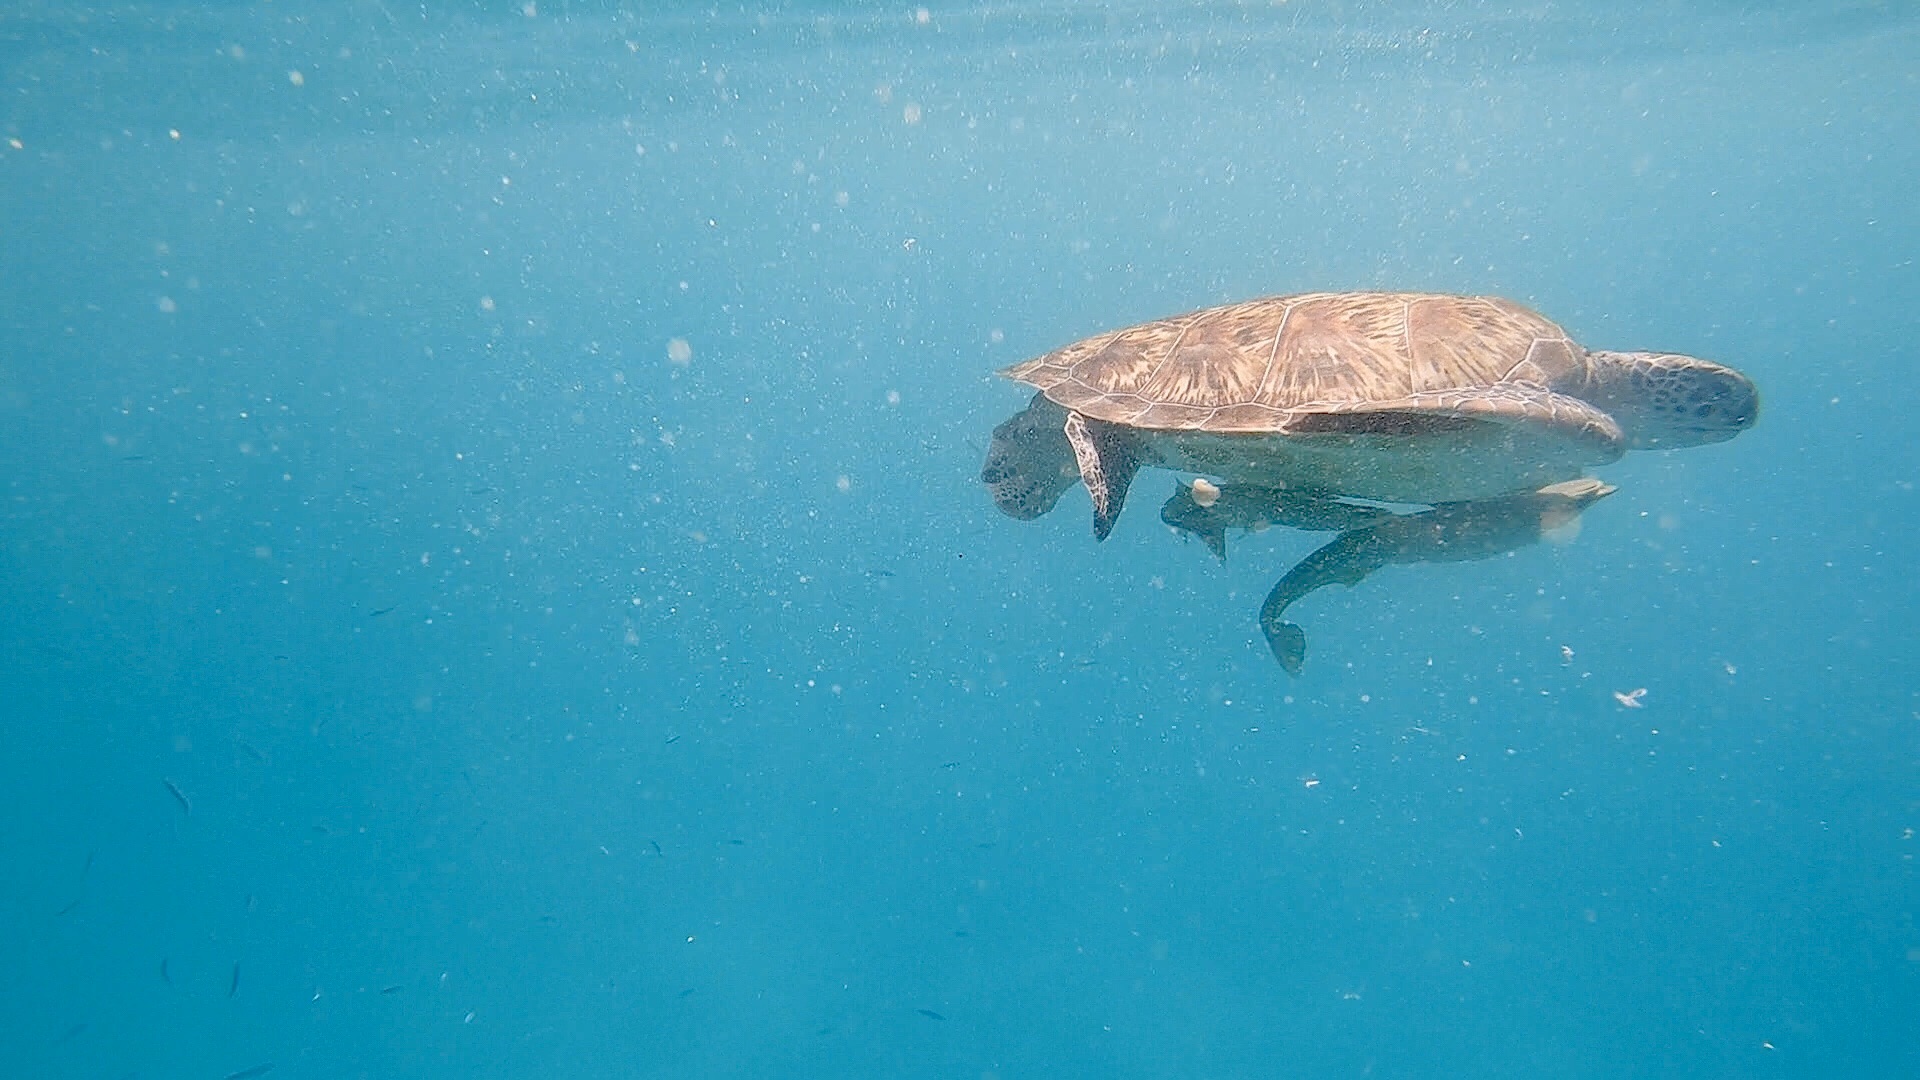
pixel 496 582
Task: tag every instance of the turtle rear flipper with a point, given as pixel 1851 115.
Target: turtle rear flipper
pixel 1435 412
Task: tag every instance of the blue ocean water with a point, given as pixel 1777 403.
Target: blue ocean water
pixel 496 581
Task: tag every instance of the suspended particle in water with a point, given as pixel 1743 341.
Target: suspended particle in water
pixel 679 352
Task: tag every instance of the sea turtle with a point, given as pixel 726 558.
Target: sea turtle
pixel 1450 532
pixel 1395 397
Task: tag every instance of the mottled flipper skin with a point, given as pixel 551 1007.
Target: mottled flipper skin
pixel 1450 532
pixel 1108 460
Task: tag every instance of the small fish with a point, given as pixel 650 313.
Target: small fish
pixel 962 933
pixel 390 989
pixel 950 765
pixel 377 612
pixel 186 805
pixel 89 866
pixel 656 847
pixel 930 1014
pixel 165 976
pixel 69 909
pixel 479 491
pixel 687 993
pixel 281 656
pixel 738 843
pixel 671 739
pixel 252 750
pixel 248 1074
pixel 233 985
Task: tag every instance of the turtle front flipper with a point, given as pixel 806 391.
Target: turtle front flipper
pixel 1108 462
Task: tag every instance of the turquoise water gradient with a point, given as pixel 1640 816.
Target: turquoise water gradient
pixel 511 471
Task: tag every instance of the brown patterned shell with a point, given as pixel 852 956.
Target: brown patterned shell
pixel 1269 365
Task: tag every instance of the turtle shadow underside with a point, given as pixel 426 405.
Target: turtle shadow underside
pixel 1451 532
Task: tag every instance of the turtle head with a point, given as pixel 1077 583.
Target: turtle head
pixel 1029 463
pixel 1665 400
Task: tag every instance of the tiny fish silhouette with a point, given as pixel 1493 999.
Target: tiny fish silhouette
pixel 930 1014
